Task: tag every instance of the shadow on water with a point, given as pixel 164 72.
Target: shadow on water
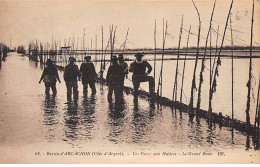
pixel 50 116
pixel 142 120
pixel 88 118
pixel 116 121
pixel 195 132
pixel 71 121
pixel 252 141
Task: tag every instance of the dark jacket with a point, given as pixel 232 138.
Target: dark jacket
pixel 88 72
pixel 115 73
pixel 140 68
pixel 50 73
pixel 125 66
pixel 71 73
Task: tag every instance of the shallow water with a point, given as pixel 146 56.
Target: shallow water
pixel 222 97
pixel 30 118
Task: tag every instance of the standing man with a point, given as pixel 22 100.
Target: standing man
pixel 71 77
pixel 50 76
pixel 114 75
pixel 138 67
pixel 88 74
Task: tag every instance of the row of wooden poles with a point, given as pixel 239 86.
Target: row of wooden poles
pixel 215 63
pixel 71 48
pixel 40 52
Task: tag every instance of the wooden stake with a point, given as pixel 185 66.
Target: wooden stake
pixel 154 63
pixel 193 86
pixel 125 40
pixel 257 110
pixel 250 69
pixel 214 84
pixel 184 65
pixel 214 62
pixel 174 92
pixel 232 73
pixel 159 90
pixel 203 61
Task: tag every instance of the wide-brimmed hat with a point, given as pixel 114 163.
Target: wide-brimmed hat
pixel 87 57
pixel 72 58
pixel 139 55
pixel 49 61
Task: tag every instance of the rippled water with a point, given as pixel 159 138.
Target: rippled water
pixel 28 117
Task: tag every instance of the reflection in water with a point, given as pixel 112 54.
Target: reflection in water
pixel 116 120
pixel 210 132
pixel 88 118
pixel 151 107
pixel 195 132
pixel 141 121
pixel 71 118
pixel 255 139
pixel 50 116
pixel 232 134
pixel 86 122
pixel 247 142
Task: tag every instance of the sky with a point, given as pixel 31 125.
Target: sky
pixel 26 21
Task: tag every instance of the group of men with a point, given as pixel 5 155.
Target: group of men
pixel 117 72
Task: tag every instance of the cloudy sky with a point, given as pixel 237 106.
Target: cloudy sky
pixel 31 20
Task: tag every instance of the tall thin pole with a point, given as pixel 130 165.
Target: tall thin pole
pixel 215 54
pixel 96 49
pixel 111 43
pixel 250 69
pixel 184 65
pixel 113 46
pixel 154 65
pixel 203 60
pixel 90 52
pixel 101 66
pixel 257 118
pixel 160 83
pixel 232 71
pixel 125 40
pixel 214 82
pixel 210 59
pixel 174 92
pixel 83 43
pixel 52 41
pixel 193 85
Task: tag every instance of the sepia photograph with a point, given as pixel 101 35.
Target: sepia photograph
pixel 129 82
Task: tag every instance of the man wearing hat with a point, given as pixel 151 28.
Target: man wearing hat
pixel 88 74
pixel 50 76
pixel 114 75
pixel 71 77
pixel 138 67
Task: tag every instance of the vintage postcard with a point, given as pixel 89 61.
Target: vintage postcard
pixel 110 82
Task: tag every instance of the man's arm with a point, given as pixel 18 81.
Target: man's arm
pixel 81 67
pixel 78 72
pixel 43 74
pixel 65 75
pixel 57 75
pixel 93 69
pixel 126 68
pixel 131 69
pixel 150 68
pixel 108 74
